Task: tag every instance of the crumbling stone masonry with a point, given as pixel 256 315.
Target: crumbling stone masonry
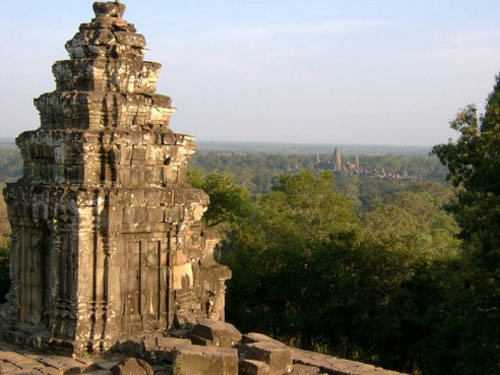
pixel 107 238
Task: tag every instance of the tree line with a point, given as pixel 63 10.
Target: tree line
pixel 260 171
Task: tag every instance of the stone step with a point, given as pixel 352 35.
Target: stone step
pixel 277 357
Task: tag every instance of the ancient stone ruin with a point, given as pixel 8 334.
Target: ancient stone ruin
pixel 107 240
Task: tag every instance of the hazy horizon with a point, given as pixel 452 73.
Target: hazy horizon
pixel 332 72
pixel 290 147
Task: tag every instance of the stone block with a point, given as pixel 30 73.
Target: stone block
pixel 278 357
pixel 215 333
pixel 199 360
pixel 132 366
pixel 171 343
pixel 152 197
pixel 251 367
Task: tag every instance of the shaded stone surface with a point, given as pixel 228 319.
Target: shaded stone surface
pixel 107 233
pixel 251 367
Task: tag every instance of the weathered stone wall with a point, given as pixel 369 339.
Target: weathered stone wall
pixel 108 239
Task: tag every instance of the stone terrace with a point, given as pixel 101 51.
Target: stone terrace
pixel 224 352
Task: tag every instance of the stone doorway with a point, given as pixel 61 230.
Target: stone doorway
pixel 144 285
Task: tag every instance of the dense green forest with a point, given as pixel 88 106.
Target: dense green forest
pixel 402 273
pixel 311 269
pixel 260 171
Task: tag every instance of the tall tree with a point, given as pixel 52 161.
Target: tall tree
pixel 474 164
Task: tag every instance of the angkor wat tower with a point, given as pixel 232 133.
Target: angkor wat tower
pixel 107 238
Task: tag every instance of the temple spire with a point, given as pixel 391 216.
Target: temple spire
pixel 104 219
pixel 337 160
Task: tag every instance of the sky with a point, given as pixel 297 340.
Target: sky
pixel 387 72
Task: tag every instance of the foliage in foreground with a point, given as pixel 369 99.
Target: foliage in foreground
pixel 474 165
pixel 308 270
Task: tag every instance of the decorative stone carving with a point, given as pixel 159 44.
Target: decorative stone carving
pixel 108 239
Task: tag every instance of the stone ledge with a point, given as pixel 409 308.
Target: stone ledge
pixel 326 364
pixel 336 366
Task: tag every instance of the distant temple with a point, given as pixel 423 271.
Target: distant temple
pixel 336 165
pixel 337 159
pixel 352 167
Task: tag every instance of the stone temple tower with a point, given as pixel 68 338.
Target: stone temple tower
pixel 107 237
pixel 337 161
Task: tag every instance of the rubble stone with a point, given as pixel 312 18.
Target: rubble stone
pixel 132 366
